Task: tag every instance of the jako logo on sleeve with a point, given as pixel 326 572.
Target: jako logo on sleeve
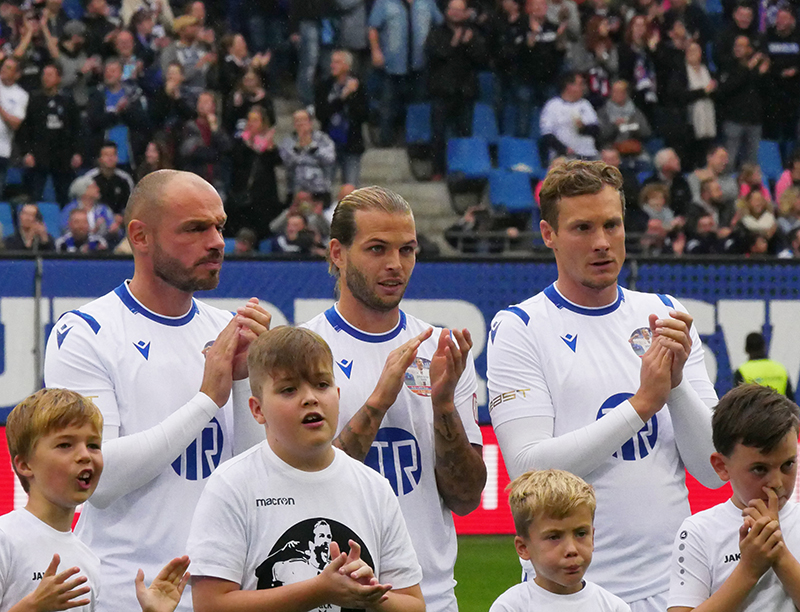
pixel 395 455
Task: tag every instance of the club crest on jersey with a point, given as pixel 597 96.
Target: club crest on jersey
pixel 640 445
pixel 203 455
pixel 395 455
pixel 418 377
pixel 640 340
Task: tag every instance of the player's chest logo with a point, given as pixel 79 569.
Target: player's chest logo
pixel 571 340
pixel 395 455
pixel 346 366
pixel 418 377
pixel 143 348
pixel 640 445
pixel 203 455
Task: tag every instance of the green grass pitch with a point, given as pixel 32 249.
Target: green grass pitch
pixel 486 566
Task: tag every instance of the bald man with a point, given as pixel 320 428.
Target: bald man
pixel 168 373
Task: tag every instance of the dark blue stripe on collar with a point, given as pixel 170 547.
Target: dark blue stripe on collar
pixel 339 324
pixel 135 307
pixel 561 302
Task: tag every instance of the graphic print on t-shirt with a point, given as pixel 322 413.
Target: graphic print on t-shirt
pixel 418 377
pixel 303 551
pixel 202 455
pixel 395 455
pixel 643 443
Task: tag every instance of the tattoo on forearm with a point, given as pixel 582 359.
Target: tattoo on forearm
pixel 357 435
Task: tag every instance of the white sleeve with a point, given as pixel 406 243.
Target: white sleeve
pixel 547 123
pixel 399 565
pixel 527 443
pixel 690 572
pixel 247 432
pixel 465 399
pixel 588 114
pixel 131 461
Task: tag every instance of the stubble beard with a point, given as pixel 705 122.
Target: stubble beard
pixel 176 275
pixel 359 287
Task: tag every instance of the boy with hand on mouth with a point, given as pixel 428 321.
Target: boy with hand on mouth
pixel 741 554
pixel 553 514
pixel 294 524
pixel 54 439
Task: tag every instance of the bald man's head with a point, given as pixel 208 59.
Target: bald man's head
pixel 151 194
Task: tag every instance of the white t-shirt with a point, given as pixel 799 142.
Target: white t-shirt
pixel 548 357
pixel 140 367
pixel 706 551
pixel 529 597
pixel 559 117
pixel 27 546
pixel 403 450
pixel 14 101
pixel 261 523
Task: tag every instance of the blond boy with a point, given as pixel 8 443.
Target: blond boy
pixel 271 523
pixel 54 439
pixel 553 514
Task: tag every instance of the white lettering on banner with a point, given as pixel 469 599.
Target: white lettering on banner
pixel 18 379
pixel 491 455
pixel 737 319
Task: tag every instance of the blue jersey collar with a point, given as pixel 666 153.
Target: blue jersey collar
pixel 561 302
pixel 339 324
pixel 136 307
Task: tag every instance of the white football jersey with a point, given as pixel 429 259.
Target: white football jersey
pixel 140 367
pixel 550 357
pixel 403 450
pixel 529 596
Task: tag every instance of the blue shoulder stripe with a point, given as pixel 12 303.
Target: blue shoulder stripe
pixel 665 299
pixel 520 313
pixel 90 320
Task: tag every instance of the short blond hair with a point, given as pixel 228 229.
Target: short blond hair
pixel 46 411
pixel 550 493
pixel 292 351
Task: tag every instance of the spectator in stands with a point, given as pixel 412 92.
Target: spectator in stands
pixel 480 231
pixel 637 67
pixel 309 156
pixel 191 54
pixel 49 138
pixel 624 126
pixel 569 124
pixel 691 90
pixel 670 59
pixel 512 78
pixel 249 91
pixel 156 157
pixel 751 179
pixel 760 369
pixel 793 250
pixel 78 69
pixel 306 27
pixel 653 200
pixel 789 177
pixel 705 239
pixel 116 112
pixel 36 48
pixel 781 111
pixel 605 10
pixel 169 106
pixel 102 221
pixel 159 10
pixel 100 29
pixel 298 239
pixel 717 167
pixel 55 17
pixel 668 172
pixel 789 210
pixel 78 237
pixel 658 240
pixel 237 61
pixel 312 210
pixel 693 17
pixel 254 200
pixel 711 202
pixel 341 107
pixel 115 184
pixel 596 57
pixel 397 34
pixel 31 233
pixel 148 40
pixel 635 219
pixel 743 24
pixel 351 34
pixel 565 12
pixel 455 51
pixel 245 242
pixel 205 34
pixel 13 106
pixel 132 67
pixel 205 142
pixel 739 97
pixel 756 217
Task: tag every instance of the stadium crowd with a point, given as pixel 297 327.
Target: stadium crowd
pixel 678 95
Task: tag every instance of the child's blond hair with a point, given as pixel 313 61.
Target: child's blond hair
pixel 288 351
pixel 46 411
pixel 550 493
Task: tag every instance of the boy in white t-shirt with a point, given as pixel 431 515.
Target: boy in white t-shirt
pixel 294 524
pixel 553 514
pixel 54 439
pixel 742 554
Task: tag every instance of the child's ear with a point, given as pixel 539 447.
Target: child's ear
pixel 21 466
pixel 522 548
pixel 255 409
pixel 720 467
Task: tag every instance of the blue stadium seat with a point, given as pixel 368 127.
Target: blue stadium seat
pixel 14 176
pixel 654 145
pixel 418 123
pixel 486 85
pixel 265 246
pixel 484 123
pixel 49 193
pixel 769 158
pixel 230 245
pixel 51 214
pixel 519 155
pixel 7 218
pixel 536 128
pixel 511 190
pixel 468 156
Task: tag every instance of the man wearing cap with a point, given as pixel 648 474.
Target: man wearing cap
pixel 190 54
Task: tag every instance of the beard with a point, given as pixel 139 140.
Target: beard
pixel 359 287
pixel 175 274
